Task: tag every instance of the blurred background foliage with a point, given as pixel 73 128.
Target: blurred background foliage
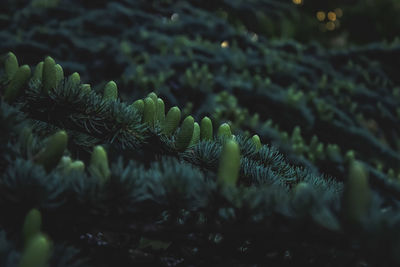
pixel 296 72
pixel 333 23
pixel 318 80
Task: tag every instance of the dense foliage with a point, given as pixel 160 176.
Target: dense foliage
pixel 119 181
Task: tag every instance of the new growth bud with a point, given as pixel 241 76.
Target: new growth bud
pixel 99 164
pixel 53 151
pixel 185 134
pixel 229 164
pixel 37 252
pixel 172 121
pixel 206 129
pixel 357 194
pixel 20 77
pixel 110 91
pixel 49 76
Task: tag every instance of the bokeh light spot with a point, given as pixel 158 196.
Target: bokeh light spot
pixel 320 15
pixel 339 12
pixel 330 26
pixel 174 16
pixel 332 16
pixel 225 44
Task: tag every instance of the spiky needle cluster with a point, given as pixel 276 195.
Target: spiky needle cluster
pixel 170 177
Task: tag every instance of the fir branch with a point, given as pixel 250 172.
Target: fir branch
pixel 69 107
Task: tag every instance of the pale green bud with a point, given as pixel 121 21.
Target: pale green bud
pixel 99 164
pixel 37 252
pixel 49 78
pixel 224 130
pixel 172 120
pixel 13 90
pixel 206 129
pixel 229 164
pixel 110 91
pixel 185 134
pixel 11 65
pixel 32 225
pixel 53 151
